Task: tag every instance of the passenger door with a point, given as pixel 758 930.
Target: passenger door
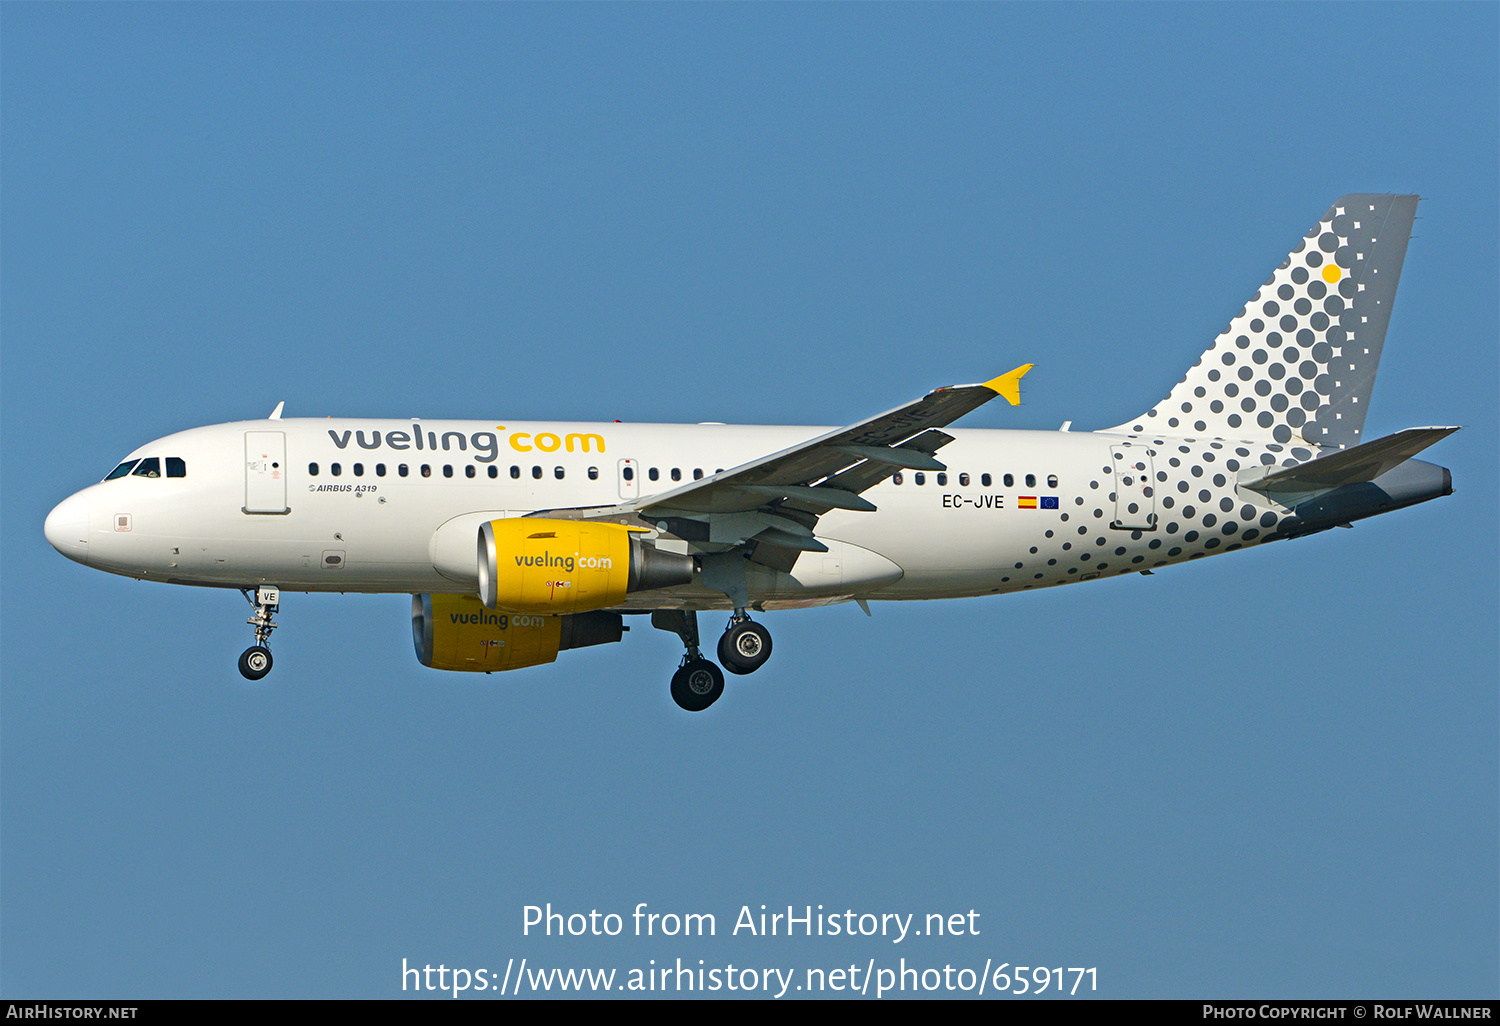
pixel 265 472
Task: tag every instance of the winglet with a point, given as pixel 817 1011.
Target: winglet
pixel 1009 385
pixel 276 413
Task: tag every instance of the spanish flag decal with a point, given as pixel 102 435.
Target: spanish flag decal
pixel 1026 502
pixel 1036 502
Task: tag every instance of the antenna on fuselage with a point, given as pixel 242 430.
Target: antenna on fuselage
pixel 276 413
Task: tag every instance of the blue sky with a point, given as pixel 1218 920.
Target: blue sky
pixel 1273 774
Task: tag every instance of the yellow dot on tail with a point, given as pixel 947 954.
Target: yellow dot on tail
pixel 1332 273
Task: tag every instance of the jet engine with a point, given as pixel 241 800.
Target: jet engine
pixel 455 632
pixel 530 565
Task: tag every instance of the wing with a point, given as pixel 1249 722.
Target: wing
pixel 829 472
pixel 776 500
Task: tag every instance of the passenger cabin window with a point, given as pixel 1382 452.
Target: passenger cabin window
pixel 653 474
pixel 469 471
pixel 335 469
pixel 1009 480
pixel 447 470
pixel 697 475
pixel 359 470
pixel 515 472
pixel 427 470
pixel 1030 480
pixel 628 473
pixel 121 470
pixel 593 473
pixel 896 478
pixel 380 470
pixel 176 467
pixel 1051 480
pixel 536 472
pixel 919 477
pixel 312 470
pixel 403 470
pixel 557 472
pixel 494 471
pixel 963 479
pixel 985 480
pixel 676 474
pixel 942 479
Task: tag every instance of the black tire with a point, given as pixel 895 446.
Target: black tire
pixel 255 662
pixel 744 647
pixel 697 685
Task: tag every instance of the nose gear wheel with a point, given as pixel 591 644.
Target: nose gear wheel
pixel 255 662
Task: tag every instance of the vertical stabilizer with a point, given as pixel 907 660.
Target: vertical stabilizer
pixel 1298 362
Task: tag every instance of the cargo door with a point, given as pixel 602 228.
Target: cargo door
pixel 1135 496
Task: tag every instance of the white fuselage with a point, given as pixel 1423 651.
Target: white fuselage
pixel 1014 510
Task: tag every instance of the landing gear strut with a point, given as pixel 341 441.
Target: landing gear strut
pixel 745 645
pixel 255 661
pixel 698 683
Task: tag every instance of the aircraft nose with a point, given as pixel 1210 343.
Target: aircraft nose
pixel 67 527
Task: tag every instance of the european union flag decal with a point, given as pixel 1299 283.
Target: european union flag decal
pixel 1049 502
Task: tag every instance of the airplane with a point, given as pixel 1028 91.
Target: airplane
pixel 518 541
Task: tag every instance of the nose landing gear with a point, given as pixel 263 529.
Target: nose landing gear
pixel 255 661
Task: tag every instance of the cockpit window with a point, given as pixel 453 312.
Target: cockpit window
pixel 175 467
pixel 149 467
pixel 121 470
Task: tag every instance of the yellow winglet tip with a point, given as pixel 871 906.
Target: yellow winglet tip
pixel 1009 384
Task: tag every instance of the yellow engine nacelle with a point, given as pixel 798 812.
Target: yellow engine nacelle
pixel 529 565
pixel 455 632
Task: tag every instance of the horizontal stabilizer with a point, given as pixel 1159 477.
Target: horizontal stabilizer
pixel 1363 462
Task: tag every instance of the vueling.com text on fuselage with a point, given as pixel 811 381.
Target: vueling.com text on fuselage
pixel 485 443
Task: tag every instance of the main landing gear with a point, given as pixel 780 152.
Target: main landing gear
pixel 697 684
pixel 745 645
pixel 744 648
pixel 255 661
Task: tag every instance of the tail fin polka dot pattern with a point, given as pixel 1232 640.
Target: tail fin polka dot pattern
pixel 1298 363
